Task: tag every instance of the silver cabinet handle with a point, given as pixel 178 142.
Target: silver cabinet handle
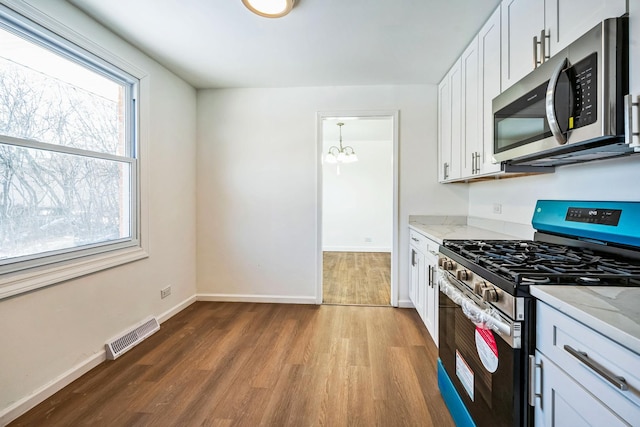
pixel 477 162
pixel 550 103
pixel 535 52
pixel 413 257
pixel 619 382
pixel 415 240
pixel 628 122
pixel 446 170
pixel 533 366
pixel 543 46
pixel 430 284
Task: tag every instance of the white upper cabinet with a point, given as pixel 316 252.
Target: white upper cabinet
pixel 522 20
pixel 535 30
pixel 519 35
pixel 567 20
pixel 634 58
pixel 444 128
pixel 470 133
pixel 634 54
pixel 455 80
pixel 489 64
pixel 449 129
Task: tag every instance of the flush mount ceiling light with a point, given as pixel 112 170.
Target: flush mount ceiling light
pixel 269 8
pixel 341 154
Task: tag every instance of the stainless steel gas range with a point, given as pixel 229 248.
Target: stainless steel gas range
pixel 487 315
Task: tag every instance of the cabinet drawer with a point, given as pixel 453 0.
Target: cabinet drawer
pixel 573 347
pixel 423 243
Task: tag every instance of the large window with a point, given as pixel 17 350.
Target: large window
pixel 68 167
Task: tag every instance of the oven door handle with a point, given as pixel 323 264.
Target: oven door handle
pixel 484 318
pixel 481 317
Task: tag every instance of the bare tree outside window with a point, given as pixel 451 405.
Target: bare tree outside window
pixel 65 172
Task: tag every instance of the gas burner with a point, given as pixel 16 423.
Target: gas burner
pixel 536 280
pixel 515 263
pixel 588 280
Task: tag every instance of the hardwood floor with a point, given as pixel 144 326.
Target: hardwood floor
pixel 356 278
pixel 241 364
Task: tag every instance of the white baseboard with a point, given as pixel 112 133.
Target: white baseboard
pixel 276 299
pixel 405 303
pixel 26 403
pixel 176 309
pixel 355 249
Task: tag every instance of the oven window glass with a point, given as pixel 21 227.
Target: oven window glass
pixel 522 121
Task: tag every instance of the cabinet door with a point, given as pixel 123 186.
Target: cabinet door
pixel 567 403
pixel 567 20
pixel 421 289
pixel 413 275
pixel 431 300
pixel 470 105
pixel 522 20
pixel 634 49
pixel 455 80
pixel 444 128
pixel 489 60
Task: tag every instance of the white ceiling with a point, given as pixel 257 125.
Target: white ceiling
pixel 219 43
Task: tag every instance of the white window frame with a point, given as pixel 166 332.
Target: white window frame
pixel 34 272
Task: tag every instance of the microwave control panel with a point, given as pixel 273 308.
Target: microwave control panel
pixel 583 78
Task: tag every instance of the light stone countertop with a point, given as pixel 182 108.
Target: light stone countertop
pixel 612 311
pixel 439 228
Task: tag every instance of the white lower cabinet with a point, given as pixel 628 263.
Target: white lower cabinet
pixel 581 377
pixel 422 285
pixel 567 403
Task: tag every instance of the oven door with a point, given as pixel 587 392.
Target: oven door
pixel 481 356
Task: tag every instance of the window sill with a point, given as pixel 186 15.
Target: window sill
pixel 26 281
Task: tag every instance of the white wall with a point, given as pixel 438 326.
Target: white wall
pixel 257 183
pixel 614 179
pixel 357 206
pixel 46 333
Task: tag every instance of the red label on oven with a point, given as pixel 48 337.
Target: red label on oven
pixel 487 349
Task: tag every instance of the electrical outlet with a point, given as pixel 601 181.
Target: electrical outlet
pixel 165 292
pixel 497 208
pixel 368 239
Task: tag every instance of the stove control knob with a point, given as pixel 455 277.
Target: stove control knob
pixel 449 265
pixel 490 294
pixel 479 286
pixel 464 274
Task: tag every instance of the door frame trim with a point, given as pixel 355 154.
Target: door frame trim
pixel 394 116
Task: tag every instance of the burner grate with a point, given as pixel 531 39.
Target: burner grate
pixel 531 262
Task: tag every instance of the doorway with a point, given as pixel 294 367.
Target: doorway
pixel 357 226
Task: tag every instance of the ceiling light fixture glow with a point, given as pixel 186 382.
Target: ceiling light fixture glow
pixel 269 8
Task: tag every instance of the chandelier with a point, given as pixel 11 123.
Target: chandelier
pixel 341 154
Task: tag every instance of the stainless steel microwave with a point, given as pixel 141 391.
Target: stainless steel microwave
pixel 569 109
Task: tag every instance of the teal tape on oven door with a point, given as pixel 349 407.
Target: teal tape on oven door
pixel 606 222
pixel 452 399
